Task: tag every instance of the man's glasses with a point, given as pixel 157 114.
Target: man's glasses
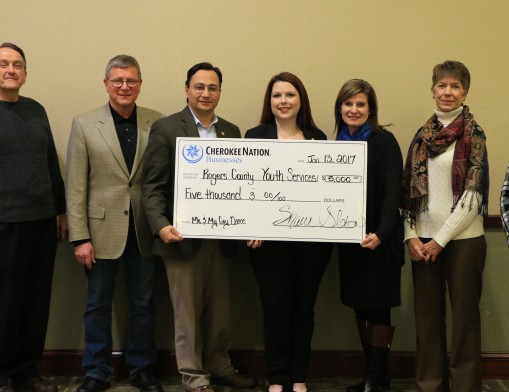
pixel 120 82
pixel 200 88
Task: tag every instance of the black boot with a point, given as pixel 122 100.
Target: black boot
pixel 363 328
pixel 377 376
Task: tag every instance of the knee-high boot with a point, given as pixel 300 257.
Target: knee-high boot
pixel 363 329
pixel 377 375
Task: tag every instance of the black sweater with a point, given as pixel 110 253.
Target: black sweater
pixel 31 185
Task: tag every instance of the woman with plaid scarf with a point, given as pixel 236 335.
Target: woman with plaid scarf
pixel 445 195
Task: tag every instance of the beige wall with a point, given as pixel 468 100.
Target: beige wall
pixel 392 43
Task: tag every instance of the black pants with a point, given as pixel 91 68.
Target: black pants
pixel 27 257
pixel 289 275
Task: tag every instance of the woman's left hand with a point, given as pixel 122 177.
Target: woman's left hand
pixel 431 249
pixel 371 241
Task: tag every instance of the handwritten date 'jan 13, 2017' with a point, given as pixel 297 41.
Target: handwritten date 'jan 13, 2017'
pixel 343 159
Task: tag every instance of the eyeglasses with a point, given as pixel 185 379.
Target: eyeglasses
pixel 200 88
pixel 120 82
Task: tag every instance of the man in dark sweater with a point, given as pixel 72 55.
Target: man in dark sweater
pixel 32 218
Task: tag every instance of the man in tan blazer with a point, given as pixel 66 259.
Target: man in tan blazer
pixel 107 224
pixel 198 271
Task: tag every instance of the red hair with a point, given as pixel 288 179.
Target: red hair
pixel 304 117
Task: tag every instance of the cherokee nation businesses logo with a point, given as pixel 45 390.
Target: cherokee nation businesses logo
pixel 192 153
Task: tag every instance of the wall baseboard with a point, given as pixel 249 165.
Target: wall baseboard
pixel 323 363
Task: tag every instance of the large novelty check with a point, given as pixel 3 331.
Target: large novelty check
pixel 270 189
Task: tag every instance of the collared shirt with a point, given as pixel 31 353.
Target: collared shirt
pixel 127 132
pixel 504 204
pixel 205 132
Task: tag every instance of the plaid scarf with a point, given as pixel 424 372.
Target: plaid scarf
pixel 469 166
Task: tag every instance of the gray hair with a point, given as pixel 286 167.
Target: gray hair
pixel 122 61
pixel 453 69
pixel 15 47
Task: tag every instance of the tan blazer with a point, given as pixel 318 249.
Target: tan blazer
pixel 99 186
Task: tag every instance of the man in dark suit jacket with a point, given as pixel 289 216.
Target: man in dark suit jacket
pixel 198 271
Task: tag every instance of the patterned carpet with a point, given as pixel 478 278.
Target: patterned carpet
pixel 69 384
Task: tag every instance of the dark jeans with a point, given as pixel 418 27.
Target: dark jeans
pixel 140 352
pixel 289 275
pixel 26 271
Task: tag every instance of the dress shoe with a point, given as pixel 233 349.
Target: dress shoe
pixel 35 384
pixel 202 388
pixel 145 381
pixel 235 380
pixel 91 384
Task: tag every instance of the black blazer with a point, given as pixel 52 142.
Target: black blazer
pixel 371 279
pixel 269 131
pixel 158 179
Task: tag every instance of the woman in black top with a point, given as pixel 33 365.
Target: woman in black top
pixel 288 273
pixel 370 272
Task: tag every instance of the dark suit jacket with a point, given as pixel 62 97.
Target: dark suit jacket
pixel 158 179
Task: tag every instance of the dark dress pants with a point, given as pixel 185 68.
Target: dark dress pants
pixel 458 269
pixel 289 275
pixel 27 259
